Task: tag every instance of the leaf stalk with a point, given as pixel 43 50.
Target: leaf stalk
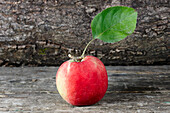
pixel 86 48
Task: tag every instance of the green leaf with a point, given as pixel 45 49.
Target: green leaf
pixel 114 24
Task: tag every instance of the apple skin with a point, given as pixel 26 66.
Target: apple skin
pixel 82 83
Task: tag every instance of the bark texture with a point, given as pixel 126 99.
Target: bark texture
pixel 44 32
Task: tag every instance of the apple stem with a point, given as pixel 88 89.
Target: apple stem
pixel 75 59
pixel 86 48
pixel 79 59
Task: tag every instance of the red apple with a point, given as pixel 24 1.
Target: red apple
pixel 82 83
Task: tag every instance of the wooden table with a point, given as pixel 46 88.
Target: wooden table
pixel 132 89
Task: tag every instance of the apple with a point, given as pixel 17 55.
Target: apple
pixel 82 83
pixel 83 80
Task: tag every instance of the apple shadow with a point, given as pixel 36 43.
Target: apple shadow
pixel 132 87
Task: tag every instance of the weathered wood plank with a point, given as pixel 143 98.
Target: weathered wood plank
pixel 132 89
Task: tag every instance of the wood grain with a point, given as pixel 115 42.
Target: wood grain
pixel 132 89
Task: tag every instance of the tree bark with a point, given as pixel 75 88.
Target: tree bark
pixel 44 32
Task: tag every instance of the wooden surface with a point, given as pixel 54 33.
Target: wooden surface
pixel 132 89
